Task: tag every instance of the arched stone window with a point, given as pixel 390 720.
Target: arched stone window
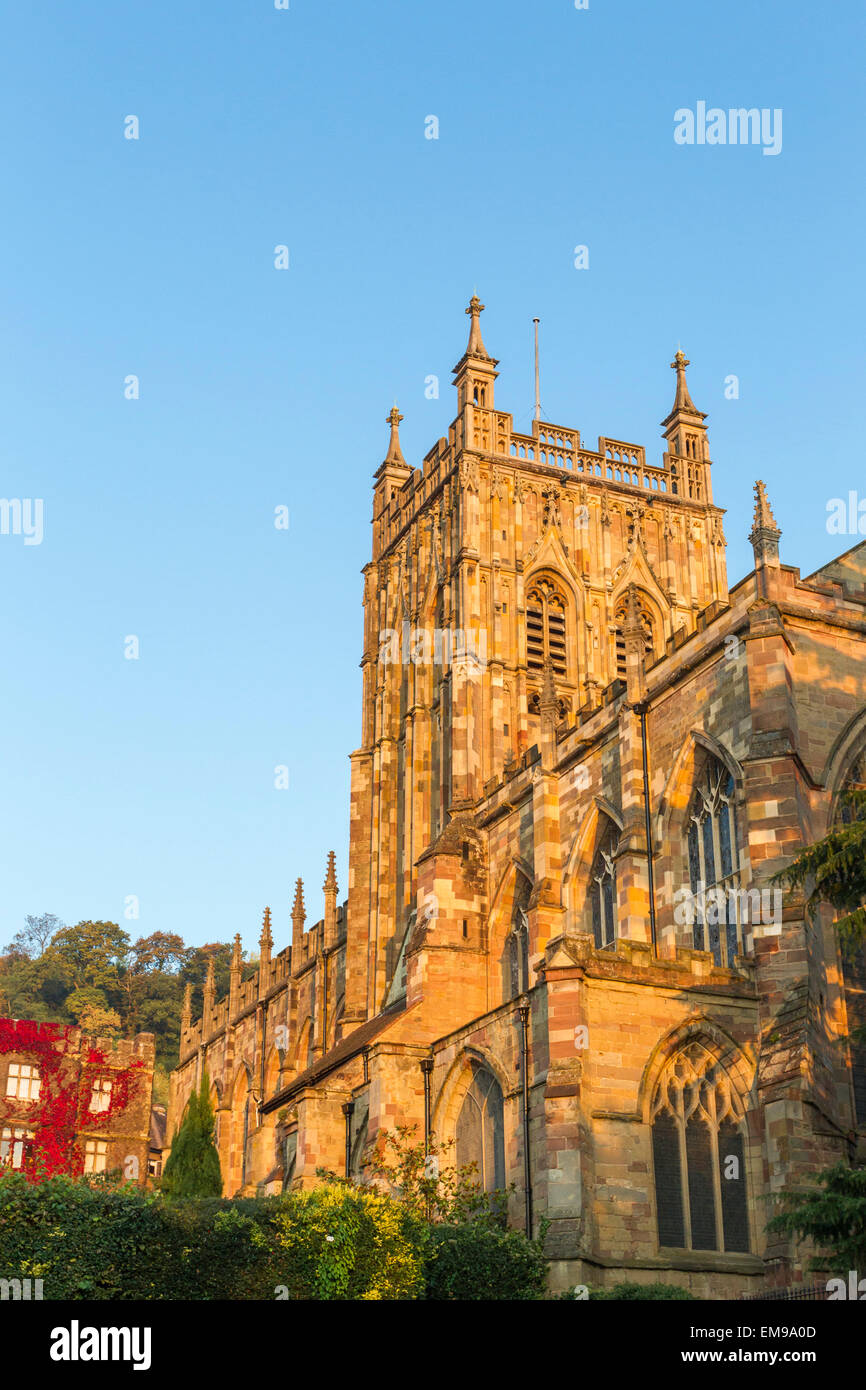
pixel 854 964
pixel 545 627
pixel 714 866
pixel 602 889
pixel 699 1155
pixel 515 956
pixel 648 628
pixel 481 1129
pixel 289 1157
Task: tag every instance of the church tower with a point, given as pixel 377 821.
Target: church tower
pixel 507 573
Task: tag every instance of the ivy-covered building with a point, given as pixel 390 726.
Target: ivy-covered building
pixel 74 1104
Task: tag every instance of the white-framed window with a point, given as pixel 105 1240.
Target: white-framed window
pixel 100 1095
pixel 95 1155
pixel 14 1142
pixel 23 1081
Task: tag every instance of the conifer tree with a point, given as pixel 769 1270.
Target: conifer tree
pixel 836 869
pixel 193 1166
pixel 833 1215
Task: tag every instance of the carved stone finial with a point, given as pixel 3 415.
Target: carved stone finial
pixel 186 1011
pixel 395 453
pixel 764 534
pixel 209 985
pixel 683 400
pixel 266 940
pixel 763 511
pixel 331 875
pixel 298 909
pixel 475 346
pixel 547 702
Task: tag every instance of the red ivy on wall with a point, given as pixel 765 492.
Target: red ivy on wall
pixel 63 1107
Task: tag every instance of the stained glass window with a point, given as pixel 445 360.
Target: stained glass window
pixel 699 1155
pixel 481 1131
pixel 713 872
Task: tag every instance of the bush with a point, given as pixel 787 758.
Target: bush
pixel 100 1240
pixel 340 1242
pixel 469 1262
pixel 642 1291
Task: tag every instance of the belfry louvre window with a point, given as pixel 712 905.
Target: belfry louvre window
pixel 713 872
pixel 545 628
pixel 699 1156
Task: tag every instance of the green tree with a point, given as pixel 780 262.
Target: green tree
pixel 834 871
pixel 429 1184
pixel 90 953
pixel 161 951
pixel 193 1166
pixel 35 935
pixel 832 1216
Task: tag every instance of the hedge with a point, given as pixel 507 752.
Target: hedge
pixel 106 1242
pixel 94 1240
pixel 465 1262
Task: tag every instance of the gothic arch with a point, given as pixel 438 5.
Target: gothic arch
pixel 244 1072
pixel 513 892
pixel 515 864
pixel 302 1045
pixel 850 745
pixel 695 1105
pixel 272 1072
pixel 239 1126
pixel 549 555
pixel 636 569
pixel 673 807
pixel 722 1048
pixel 457 1082
pixel 575 878
pixel 846 766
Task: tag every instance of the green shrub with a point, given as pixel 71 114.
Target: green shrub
pixel 98 1240
pixel 470 1262
pixel 642 1291
pixel 340 1242
pixel 193 1166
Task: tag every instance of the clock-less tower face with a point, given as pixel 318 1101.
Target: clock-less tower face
pixel 501 556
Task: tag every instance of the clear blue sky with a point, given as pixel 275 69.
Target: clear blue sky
pixel 258 387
